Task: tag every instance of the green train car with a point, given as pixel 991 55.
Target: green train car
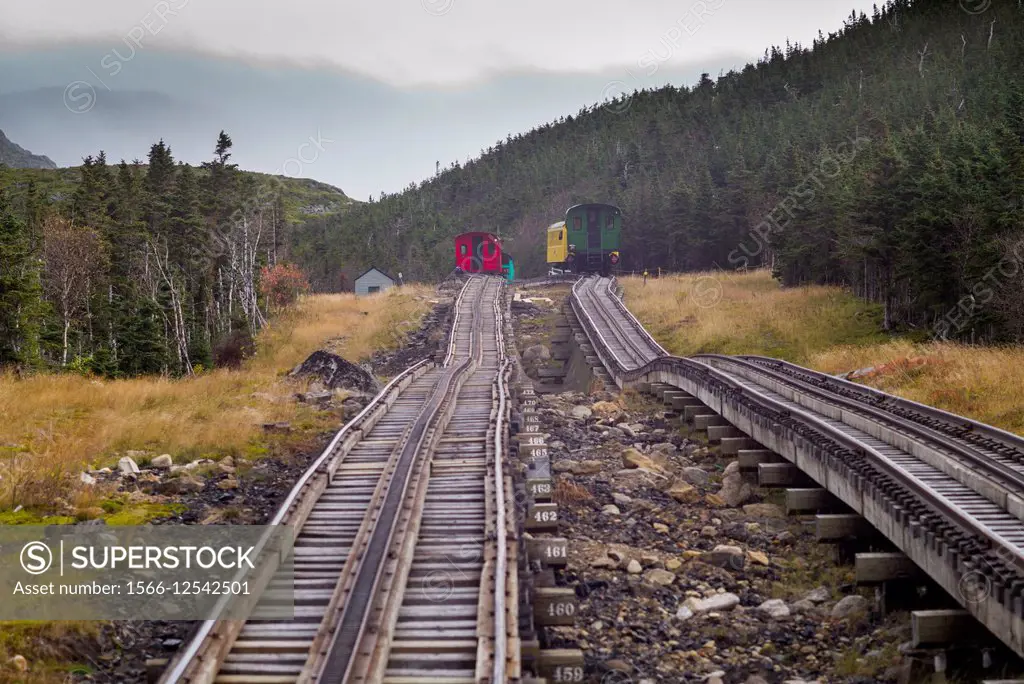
pixel 588 241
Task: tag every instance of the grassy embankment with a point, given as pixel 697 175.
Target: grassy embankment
pixel 52 426
pixel 828 329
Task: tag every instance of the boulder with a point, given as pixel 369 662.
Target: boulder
pixel 716 603
pixel 581 412
pixel 659 577
pixel 759 557
pixel 634 567
pixel 631 458
pixel 335 372
pixel 586 468
pixel 850 606
pixel 725 556
pixel 684 493
pixel 87 479
pixel 818 595
pixel 128 466
pixel 694 475
pixel 776 608
pixel 764 510
pixel 163 462
pixel 735 492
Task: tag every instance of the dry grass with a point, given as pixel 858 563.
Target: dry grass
pixel 829 330
pixel 984 383
pixel 749 313
pixel 51 425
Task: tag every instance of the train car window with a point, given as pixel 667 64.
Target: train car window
pixel 577 222
pixel 462 249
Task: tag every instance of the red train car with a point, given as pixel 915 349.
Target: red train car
pixel 478 252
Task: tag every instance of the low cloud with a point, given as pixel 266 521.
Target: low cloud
pixel 426 43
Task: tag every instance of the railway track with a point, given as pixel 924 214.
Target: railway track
pixel 405 553
pixel 616 328
pixel 946 490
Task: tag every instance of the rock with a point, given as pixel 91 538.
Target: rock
pixel 718 602
pixel 19 663
pixel 335 372
pixel 764 510
pixel 695 475
pixel 563 465
pixel 803 606
pixel 537 352
pixel 182 485
pixel 684 612
pixel 581 412
pixel 759 557
pixel 605 563
pixel 128 466
pixel 849 606
pixel 631 458
pixel 659 577
pixel 732 468
pixel 586 468
pixel 621 499
pixel 819 595
pixel 228 484
pixel 634 567
pixel 619 666
pixel 776 608
pixel 171 643
pixel 725 556
pixel 709 531
pixel 664 448
pixel 684 493
pixel 163 462
pixel 735 492
pixel 673 564
pixel 617 556
pixel 756 679
pixel 611 509
pixel 626 430
pixel 714 500
pixel 87 479
pixel 660 527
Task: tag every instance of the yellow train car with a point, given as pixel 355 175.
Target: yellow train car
pixel 558 244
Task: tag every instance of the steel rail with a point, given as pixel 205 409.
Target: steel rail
pixel 888 401
pixel 880 415
pixel 339 660
pixel 939 504
pixel 186 657
pixel 501 565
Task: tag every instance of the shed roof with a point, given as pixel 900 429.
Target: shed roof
pixel 374 268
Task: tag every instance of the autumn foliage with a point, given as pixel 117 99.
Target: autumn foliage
pixel 281 284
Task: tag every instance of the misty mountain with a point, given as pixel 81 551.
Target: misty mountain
pixel 17 157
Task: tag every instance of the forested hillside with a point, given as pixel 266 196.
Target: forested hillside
pixel 888 157
pixel 145 268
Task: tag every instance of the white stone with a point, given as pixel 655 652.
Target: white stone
pixel 128 466
pixel 776 608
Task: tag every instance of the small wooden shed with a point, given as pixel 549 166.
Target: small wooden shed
pixel 372 281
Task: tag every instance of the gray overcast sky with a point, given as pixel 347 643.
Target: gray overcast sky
pixel 432 42
pixel 397 85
